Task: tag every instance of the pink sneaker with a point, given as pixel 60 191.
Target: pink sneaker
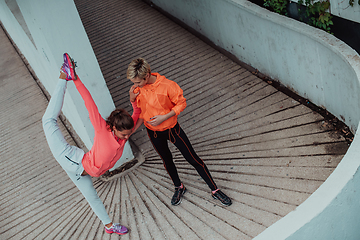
pixel 116 228
pixel 68 67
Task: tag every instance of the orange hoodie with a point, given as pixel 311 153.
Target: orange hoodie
pixel 160 98
pixel 107 148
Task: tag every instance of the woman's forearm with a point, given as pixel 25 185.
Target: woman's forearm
pixel 169 114
pixel 158 119
pixel 138 124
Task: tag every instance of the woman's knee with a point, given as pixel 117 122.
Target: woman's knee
pixel 48 122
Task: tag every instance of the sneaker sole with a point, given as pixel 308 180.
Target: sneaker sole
pixel 116 233
pixel 221 201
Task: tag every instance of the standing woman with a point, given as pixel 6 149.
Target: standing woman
pixel 161 101
pixel 109 141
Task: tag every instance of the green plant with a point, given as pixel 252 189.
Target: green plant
pixel 317 13
pixel 278 6
pixel 320 18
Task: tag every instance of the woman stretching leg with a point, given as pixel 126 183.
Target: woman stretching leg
pixel 80 165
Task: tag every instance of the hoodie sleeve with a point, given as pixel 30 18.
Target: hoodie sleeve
pixel 176 97
pixel 136 112
pixel 90 105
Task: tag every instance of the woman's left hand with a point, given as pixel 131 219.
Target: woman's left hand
pixel 157 120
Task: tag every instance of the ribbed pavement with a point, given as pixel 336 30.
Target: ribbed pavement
pixel 265 150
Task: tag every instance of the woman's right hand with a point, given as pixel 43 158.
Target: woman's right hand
pixel 132 94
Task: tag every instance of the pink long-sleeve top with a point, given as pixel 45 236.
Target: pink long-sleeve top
pixel 107 148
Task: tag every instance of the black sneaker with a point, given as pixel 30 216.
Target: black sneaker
pixel 225 200
pixel 179 192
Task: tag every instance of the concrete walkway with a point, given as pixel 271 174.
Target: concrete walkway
pixel 265 150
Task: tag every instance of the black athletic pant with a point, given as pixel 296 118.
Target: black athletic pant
pixel 178 137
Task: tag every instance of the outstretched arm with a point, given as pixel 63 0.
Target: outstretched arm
pixel 90 105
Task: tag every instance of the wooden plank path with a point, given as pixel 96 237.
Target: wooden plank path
pixel 265 150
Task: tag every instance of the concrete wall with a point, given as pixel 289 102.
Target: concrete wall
pixel 318 67
pixel 43 30
pixel 342 9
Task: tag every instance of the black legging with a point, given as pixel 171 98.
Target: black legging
pixel 178 137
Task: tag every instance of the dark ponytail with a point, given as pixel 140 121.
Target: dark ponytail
pixel 120 119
